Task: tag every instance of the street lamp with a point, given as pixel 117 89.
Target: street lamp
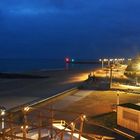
pixel 108 62
pixel 2 114
pixel 24 129
pixel 25 126
pixel 110 76
pixel 102 61
pixel 26 109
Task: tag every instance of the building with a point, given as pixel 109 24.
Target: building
pixel 128 116
pixel 133 68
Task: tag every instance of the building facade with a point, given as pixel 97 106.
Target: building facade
pixel 128 116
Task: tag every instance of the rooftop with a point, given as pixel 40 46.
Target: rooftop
pixel 132 106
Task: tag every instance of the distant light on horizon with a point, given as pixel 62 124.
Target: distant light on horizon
pixel 72 60
pixel 67 59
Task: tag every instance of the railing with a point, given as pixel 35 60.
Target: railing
pixel 60 122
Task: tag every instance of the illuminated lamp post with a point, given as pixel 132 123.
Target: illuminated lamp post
pixel 110 76
pixel 2 114
pixel 102 62
pixel 24 129
pixel 83 118
pixel 25 110
pixel 25 126
pixel 109 62
pixel 123 60
pixel 129 60
pixel 115 61
pixel 106 60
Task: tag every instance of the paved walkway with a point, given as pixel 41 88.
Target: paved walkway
pixel 68 100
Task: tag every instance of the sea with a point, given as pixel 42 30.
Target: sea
pixel 28 65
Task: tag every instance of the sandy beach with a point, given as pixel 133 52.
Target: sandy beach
pixel 16 91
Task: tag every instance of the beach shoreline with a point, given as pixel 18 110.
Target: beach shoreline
pixel 16 91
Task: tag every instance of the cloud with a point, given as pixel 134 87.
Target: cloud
pixel 35 7
pixel 94 25
pixel 27 11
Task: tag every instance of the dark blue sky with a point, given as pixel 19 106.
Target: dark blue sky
pixel 76 28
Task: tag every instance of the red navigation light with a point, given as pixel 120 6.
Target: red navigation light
pixel 67 59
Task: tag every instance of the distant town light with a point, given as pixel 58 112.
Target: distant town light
pixel 72 60
pixel 67 59
pixel 105 60
pixel 129 59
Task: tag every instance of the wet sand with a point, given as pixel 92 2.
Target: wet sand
pixel 13 101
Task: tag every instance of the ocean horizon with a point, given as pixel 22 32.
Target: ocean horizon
pixel 27 65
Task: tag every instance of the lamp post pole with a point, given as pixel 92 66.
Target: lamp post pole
pixel 25 126
pixel 108 62
pixel 110 77
pixel 102 64
pixel 2 123
pixel 2 117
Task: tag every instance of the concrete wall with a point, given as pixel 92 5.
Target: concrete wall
pixel 128 118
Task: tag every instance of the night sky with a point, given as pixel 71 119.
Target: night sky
pixel 75 28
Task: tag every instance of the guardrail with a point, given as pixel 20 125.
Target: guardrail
pixel 40 101
pixel 124 134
